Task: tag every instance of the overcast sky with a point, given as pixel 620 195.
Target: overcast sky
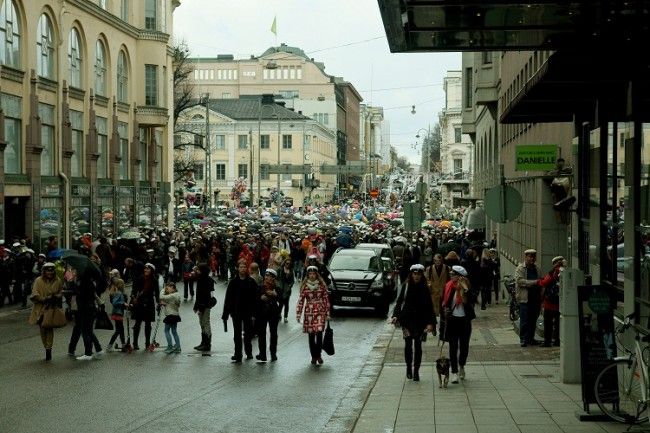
pixel 243 28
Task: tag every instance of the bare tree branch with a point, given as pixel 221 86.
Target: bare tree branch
pixel 183 89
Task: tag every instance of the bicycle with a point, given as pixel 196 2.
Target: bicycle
pixel 513 305
pixel 628 403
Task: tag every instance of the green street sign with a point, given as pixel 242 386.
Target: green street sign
pixel 502 203
pixel 413 216
pixel 535 157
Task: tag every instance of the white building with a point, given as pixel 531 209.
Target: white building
pixel 456 147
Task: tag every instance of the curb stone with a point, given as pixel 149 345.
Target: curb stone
pixel 346 414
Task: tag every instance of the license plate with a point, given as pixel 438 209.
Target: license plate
pixel 351 298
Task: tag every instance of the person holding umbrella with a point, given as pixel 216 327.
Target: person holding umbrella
pixel 47 291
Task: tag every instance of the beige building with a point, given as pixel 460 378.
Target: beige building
pixel 297 80
pixel 494 81
pixel 455 147
pixel 245 136
pixel 86 87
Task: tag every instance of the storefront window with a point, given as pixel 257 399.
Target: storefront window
pixel 50 220
pixel 144 207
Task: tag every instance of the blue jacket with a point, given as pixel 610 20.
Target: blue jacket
pixel 118 300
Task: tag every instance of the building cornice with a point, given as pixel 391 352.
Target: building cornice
pixel 115 22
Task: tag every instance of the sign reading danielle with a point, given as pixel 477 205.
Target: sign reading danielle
pixel 536 157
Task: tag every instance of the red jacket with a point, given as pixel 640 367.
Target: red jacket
pixel 551 278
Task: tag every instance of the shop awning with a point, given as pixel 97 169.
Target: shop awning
pixel 571 83
pixel 474 25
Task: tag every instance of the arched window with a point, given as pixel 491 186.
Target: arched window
pixel 45 56
pixel 100 69
pixel 75 60
pixel 122 78
pixel 9 35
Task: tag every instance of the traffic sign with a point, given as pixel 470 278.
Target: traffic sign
pixel 350 169
pixel 286 168
pixel 413 216
pixel 503 203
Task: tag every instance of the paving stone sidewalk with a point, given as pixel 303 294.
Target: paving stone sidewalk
pixel 508 389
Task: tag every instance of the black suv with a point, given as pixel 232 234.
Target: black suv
pixel 360 278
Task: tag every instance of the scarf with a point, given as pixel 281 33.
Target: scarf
pixel 312 285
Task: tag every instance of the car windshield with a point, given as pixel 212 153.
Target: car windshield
pixel 354 263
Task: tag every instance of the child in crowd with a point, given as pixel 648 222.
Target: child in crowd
pixel 171 299
pixel 118 301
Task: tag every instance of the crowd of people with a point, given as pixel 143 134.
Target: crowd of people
pixel 445 273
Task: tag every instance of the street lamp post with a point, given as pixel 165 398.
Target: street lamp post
pixel 278 198
pixel 250 172
pixel 207 190
pixel 425 149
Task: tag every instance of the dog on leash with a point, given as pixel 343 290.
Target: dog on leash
pixel 442 367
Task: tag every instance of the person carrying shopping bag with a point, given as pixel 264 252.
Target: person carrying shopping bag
pixel 314 302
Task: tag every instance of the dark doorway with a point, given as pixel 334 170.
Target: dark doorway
pixel 15 218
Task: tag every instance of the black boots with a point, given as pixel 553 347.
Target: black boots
pixel 48 354
pixel 206 343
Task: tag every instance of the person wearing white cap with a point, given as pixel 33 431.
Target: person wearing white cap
pixel 314 302
pixel 414 313
pixel 47 292
pixel 527 275
pixel 458 311
pixel 268 312
pixel 551 295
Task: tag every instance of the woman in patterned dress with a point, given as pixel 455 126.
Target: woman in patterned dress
pixel 315 302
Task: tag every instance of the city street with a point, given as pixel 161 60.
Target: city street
pixel 155 392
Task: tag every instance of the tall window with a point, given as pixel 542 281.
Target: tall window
pixel 124 10
pixel 76 162
pixel 458 165
pixel 220 142
pixel 469 88
pixel 264 172
pixel 11 105
pixel 75 61
pixel 265 141
pixel 150 14
pixel 242 170
pixel 102 4
pixel 142 155
pixel 159 153
pixel 199 170
pixel 46 112
pixel 9 35
pixel 102 147
pixel 487 57
pixel 286 141
pixel 220 173
pixel 100 68
pixel 45 57
pixel 151 85
pixel 122 78
pixel 458 135
pixel 242 141
pixel 123 132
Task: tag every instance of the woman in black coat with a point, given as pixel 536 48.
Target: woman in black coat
pixel 203 304
pixel 414 313
pixel 144 301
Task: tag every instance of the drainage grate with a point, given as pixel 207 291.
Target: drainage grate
pixel 536 376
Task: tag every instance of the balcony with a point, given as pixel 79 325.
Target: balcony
pixel 459 178
pixel 152 116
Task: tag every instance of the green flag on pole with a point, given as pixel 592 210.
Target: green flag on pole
pixel 274 28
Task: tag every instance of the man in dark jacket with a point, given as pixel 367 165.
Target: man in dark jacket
pixel 172 266
pixel 240 304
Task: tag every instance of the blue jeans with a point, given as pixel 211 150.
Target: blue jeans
pixel 169 331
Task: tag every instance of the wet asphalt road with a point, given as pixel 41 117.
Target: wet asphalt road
pixel 155 392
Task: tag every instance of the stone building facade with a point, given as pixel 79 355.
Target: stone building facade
pixel 85 93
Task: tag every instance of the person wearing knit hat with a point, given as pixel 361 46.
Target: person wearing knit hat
pixel 314 302
pixel 458 313
pixel 268 313
pixel 414 313
pixel 527 276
